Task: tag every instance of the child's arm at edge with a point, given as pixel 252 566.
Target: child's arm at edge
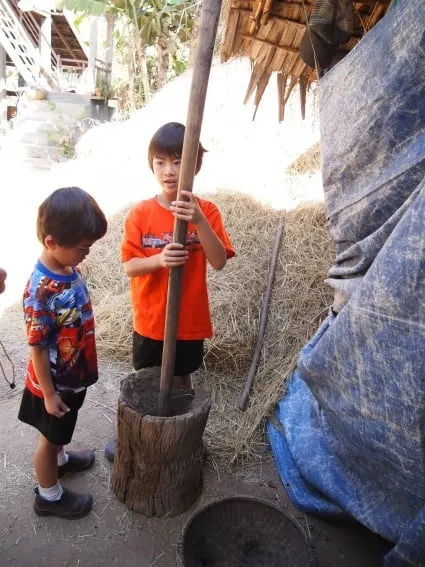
pixel 52 401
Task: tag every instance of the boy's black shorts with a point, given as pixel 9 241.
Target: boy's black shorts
pixel 58 430
pixel 148 352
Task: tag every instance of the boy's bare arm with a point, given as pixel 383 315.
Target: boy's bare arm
pixel 190 211
pixel 212 245
pixel 52 401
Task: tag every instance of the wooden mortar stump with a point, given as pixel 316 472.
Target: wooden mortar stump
pixel 159 460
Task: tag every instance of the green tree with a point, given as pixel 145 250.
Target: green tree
pixel 165 24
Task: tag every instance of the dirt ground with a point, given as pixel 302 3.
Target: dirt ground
pixel 112 535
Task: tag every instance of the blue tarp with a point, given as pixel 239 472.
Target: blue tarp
pixel 349 435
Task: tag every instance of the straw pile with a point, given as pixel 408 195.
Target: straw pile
pixel 307 163
pixel 300 301
pixel 109 290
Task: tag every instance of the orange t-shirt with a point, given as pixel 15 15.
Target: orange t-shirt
pixel 148 228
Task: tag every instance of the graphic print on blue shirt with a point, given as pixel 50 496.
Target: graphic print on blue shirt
pixel 59 315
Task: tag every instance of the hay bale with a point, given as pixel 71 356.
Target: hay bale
pixel 299 302
pixel 102 268
pixel 110 292
pixel 236 292
pixel 307 163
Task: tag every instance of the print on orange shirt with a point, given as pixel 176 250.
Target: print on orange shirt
pixel 151 240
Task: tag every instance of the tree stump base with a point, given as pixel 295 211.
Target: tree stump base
pixel 159 460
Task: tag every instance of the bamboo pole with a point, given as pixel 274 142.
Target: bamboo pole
pixel 243 400
pixel 201 70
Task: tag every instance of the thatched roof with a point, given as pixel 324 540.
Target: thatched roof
pixel 270 33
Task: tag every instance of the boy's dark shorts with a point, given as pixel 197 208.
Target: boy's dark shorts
pixel 58 430
pixel 148 352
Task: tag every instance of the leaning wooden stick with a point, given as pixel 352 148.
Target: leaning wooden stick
pixel 201 70
pixel 243 400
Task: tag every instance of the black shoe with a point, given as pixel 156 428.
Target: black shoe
pixel 71 505
pixel 110 450
pixel 77 461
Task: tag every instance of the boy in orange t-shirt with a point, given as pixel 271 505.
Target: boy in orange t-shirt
pixel 148 252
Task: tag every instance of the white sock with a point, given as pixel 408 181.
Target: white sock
pixel 51 494
pixel 62 457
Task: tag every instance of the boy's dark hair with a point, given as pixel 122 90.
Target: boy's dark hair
pixel 70 215
pixel 168 141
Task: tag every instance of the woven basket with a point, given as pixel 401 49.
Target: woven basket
pixel 242 532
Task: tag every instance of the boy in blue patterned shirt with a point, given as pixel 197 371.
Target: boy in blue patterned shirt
pixel 60 331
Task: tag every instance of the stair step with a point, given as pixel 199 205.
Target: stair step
pixel 49 153
pixel 36 151
pixel 72 98
pixel 68 110
pixel 40 139
pixel 47 117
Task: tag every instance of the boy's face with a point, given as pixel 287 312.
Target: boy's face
pixel 68 256
pixel 167 172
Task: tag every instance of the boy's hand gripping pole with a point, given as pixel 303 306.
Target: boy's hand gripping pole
pixel 201 70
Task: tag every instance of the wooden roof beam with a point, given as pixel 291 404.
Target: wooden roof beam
pixel 274 17
pixel 63 40
pixel 287 48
